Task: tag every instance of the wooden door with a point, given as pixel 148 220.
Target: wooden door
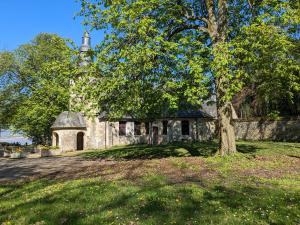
pixel 80 140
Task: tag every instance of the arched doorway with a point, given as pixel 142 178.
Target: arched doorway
pixel 56 140
pixel 80 141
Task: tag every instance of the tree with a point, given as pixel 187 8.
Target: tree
pixel 35 85
pixel 158 54
pixel 273 80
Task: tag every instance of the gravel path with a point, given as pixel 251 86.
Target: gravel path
pixel 23 168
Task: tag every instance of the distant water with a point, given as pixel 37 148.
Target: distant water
pixel 10 137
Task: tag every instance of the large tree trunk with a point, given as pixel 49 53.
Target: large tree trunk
pixel 218 27
pixel 227 144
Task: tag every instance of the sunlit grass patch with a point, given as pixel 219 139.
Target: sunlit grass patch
pixel 259 185
pixel 153 201
pixel 204 149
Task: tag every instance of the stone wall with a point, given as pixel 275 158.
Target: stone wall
pixel 255 129
pixel 173 133
pixel 101 134
pixel 206 129
pixel 67 139
pixel 279 130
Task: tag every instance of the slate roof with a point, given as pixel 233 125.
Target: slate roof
pixel 69 120
pixel 179 114
pixel 192 114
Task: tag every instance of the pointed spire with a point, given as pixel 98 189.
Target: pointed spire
pixel 85 47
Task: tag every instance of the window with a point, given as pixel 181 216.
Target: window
pixel 147 127
pixel 165 127
pixel 137 128
pixel 185 128
pixel 122 128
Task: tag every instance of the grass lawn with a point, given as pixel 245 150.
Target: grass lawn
pixel 172 184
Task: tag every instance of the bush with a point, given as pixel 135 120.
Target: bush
pixel 47 147
pixel 274 115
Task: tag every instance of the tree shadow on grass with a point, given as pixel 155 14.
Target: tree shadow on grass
pixel 134 152
pixel 247 148
pixel 108 202
pixel 154 151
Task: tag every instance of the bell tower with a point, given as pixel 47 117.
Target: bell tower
pixel 84 60
pixel 71 129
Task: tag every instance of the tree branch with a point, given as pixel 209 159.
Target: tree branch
pixel 222 17
pixel 194 17
pixel 210 9
pixel 186 27
pixel 250 3
pixel 189 14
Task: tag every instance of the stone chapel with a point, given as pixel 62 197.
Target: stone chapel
pixel 74 131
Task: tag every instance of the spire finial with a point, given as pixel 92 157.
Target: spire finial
pixel 86 40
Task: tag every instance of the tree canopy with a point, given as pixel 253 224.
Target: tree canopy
pixel 160 54
pixel 272 64
pixel 35 82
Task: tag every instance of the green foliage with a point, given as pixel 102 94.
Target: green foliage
pixel 274 115
pixel 47 147
pixel 161 55
pixel 35 85
pixel 143 71
pixel 269 59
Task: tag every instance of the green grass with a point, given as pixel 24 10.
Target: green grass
pixel 206 149
pixel 259 185
pixel 132 152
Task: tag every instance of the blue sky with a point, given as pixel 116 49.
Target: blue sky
pixel 7 136
pixel 22 20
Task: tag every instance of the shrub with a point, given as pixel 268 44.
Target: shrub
pixel 274 115
pixel 47 147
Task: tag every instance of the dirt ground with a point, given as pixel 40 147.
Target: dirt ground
pixel 39 167
pixel 177 170
pixel 75 167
